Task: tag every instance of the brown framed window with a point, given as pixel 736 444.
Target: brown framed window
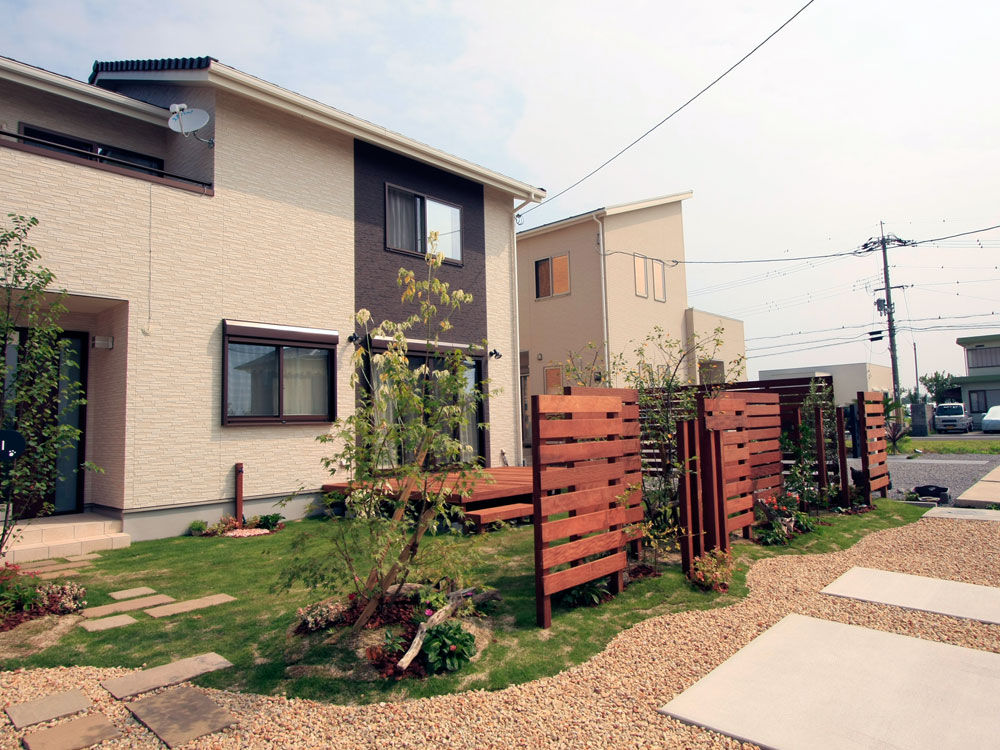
pixel 988 356
pixel 411 219
pixel 275 374
pixel 552 276
pixel 641 279
pixel 554 380
pixel 659 281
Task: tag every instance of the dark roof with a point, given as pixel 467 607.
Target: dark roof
pixel 168 63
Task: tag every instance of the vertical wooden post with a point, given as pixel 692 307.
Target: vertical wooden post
pixel 687 493
pixel 821 478
pixel 845 472
pixel 239 493
pixel 543 603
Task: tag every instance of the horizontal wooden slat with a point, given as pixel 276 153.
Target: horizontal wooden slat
pixel 737 455
pixel 738 522
pixel 559 478
pixel 765 459
pixel 877 470
pixel 567 579
pixel 733 437
pixel 550 404
pixel 742 487
pixel 759 446
pixel 724 421
pixel 581 548
pixel 762 483
pixel 877 446
pixel 590 522
pixel 555 429
pixel 763 410
pixel 554 453
pixel 761 433
pixel 551 505
pixel 737 504
pixel 877 484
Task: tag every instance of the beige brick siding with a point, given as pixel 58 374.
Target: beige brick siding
pixel 275 245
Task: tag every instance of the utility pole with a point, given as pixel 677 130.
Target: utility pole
pixel 916 373
pixel 889 315
pixel 884 242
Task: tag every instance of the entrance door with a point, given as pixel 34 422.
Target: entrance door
pixel 68 494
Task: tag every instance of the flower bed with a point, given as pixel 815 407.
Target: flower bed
pixel 23 597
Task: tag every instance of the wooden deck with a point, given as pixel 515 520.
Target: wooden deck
pixel 505 495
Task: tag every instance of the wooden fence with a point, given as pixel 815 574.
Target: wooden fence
pixel 732 455
pixel 874 457
pixel 585 462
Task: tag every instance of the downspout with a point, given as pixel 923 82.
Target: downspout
pixel 604 291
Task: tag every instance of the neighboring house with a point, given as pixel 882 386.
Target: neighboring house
pixel 981 383
pixel 848 379
pixel 212 286
pixel 607 278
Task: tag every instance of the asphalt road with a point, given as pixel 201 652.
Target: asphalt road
pixel 976 435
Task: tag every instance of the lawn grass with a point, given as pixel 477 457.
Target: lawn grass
pixel 966 447
pixel 251 632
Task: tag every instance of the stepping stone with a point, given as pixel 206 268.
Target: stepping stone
pixel 126 606
pixel 965 514
pixel 168 674
pixel 58 574
pixel 88 556
pixel 73 735
pixel 131 593
pixel 181 715
pixel 107 623
pixel 816 685
pixel 942 597
pixel 55 566
pixel 189 605
pixel 47 708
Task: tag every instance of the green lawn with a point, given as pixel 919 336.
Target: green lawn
pixel 906 445
pixel 251 632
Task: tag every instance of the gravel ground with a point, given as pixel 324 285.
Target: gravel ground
pixel 956 472
pixel 611 700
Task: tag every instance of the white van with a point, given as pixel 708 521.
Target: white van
pixel 952 417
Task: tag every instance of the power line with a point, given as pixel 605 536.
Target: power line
pixel 868 324
pixel 671 115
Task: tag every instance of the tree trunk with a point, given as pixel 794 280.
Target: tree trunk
pixel 455 600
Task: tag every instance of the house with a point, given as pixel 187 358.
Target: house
pixel 213 277
pixel 981 383
pixel 848 379
pixel 607 278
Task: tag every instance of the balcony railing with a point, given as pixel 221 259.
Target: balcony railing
pixel 63 152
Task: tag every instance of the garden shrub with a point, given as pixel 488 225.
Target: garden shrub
pixel 23 598
pixel 448 646
pixel 712 571
pixel 589 593
pixel 320 616
pixel 198 528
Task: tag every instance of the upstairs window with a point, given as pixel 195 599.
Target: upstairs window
pixel 277 374
pixel 86 149
pixel 650 272
pixel 552 276
pixel 988 356
pixel 641 281
pixel 659 281
pixel 410 218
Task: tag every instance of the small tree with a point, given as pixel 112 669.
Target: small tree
pixel 36 389
pixel 402 446
pixel 938 385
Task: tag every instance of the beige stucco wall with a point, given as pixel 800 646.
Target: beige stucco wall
pixel 274 245
pixel 700 328
pixel 554 327
pixel 848 379
pixel 655 232
pixel 500 328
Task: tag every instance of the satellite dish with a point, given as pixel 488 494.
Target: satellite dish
pixel 185 121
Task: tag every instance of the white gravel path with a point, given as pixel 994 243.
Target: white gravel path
pixel 611 700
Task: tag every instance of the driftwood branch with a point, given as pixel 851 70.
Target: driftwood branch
pixel 455 601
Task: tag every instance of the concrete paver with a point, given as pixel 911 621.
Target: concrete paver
pixel 107 623
pixel 73 735
pixel 808 683
pixel 967 514
pixel 168 674
pixel 180 715
pixel 127 605
pixel 50 576
pixel 88 556
pixel 131 593
pixel 189 605
pixel 45 709
pixel 36 568
pixel 980 495
pixel 953 598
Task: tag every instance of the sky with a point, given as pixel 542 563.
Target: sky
pixel 859 115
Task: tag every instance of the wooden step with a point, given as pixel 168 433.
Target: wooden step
pixel 499 513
